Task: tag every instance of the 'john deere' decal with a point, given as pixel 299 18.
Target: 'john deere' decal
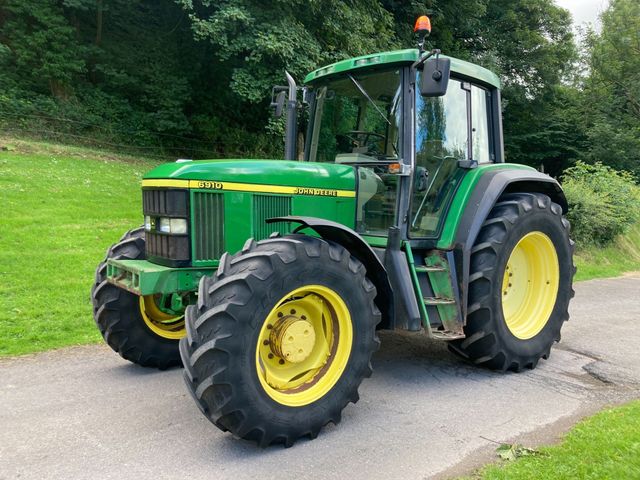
pixel 316 191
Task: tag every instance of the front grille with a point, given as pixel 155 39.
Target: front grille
pixel 269 206
pixel 166 203
pixel 163 248
pixel 172 248
pixel 208 221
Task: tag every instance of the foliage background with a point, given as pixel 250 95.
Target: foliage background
pixel 192 78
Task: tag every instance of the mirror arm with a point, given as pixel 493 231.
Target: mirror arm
pixel 418 63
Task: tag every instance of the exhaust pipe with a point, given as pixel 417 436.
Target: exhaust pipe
pixel 291 132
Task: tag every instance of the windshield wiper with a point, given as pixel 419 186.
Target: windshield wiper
pixel 366 95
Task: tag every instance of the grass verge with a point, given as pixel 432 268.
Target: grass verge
pixel 62 208
pixel 606 445
pixel 611 261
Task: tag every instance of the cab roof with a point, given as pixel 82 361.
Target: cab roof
pixel 407 56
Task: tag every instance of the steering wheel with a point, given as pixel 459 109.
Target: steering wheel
pixel 353 135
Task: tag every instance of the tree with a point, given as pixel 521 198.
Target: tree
pixel 38 41
pixel 530 44
pixel 612 89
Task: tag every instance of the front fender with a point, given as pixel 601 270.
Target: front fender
pixel 357 247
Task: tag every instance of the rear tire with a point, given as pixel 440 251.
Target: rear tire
pixel 522 258
pixel 119 313
pixel 231 370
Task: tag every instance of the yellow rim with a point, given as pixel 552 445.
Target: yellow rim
pixel 530 285
pixel 159 322
pixel 304 345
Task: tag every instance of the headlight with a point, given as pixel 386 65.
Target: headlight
pixel 164 225
pixel 175 226
pixel 147 223
pixel 178 226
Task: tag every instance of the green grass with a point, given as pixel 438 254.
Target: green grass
pixel 61 208
pixel 605 446
pixel 620 257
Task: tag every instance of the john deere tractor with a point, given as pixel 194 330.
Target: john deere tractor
pixel 268 279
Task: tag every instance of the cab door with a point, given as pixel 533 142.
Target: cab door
pixel 452 134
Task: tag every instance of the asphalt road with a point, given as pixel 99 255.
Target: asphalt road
pixel 85 413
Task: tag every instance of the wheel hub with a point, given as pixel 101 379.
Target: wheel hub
pixel 530 285
pixel 292 339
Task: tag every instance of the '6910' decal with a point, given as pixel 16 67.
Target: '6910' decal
pixel 210 185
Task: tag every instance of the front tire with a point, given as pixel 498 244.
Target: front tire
pixel 280 339
pixel 520 284
pixel 133 326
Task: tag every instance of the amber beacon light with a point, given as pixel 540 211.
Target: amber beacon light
pixel 423 25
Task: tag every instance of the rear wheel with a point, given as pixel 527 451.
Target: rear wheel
pixel 281 339
pixel 136 327
pixel 520 284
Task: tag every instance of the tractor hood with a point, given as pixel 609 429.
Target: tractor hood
pixel 218 173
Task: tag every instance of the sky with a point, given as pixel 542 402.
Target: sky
pixel 584 10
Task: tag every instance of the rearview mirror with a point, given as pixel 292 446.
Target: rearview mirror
pixel 278 103
pixel 435 77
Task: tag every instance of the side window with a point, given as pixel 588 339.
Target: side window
pixel 441 141
pixel 443 138
pixel 480 124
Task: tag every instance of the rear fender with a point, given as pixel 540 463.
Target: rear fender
pixel 487 191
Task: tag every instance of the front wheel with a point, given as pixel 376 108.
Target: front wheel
pixel 136 327
pixel 281 339
pixel 520 283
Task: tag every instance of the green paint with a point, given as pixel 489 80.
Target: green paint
pixel 145 278
pixel 242 221
pixel 402 57
pixel 375 241
pixel 416 288
pixel 261 172
pixel 461 199
pixel 441 285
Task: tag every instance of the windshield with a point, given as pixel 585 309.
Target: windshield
pixel 356 118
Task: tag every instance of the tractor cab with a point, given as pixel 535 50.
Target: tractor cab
pixel 409 149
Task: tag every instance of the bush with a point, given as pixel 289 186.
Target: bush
pixel 603 202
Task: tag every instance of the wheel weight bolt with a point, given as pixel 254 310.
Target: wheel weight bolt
pixel 266 342
pixel 281 362
pixel 270 355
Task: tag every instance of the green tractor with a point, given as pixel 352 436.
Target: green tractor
pixel 268 279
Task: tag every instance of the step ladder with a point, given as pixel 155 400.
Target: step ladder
pixel 435 282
